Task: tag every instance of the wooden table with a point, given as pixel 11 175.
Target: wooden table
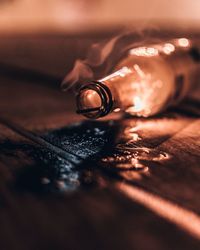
pixel 69 183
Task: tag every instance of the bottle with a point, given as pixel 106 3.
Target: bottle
pixel 145 82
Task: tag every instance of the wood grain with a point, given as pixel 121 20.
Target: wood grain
pixel 74 200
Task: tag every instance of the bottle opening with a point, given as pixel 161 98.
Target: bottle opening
pixel 94 100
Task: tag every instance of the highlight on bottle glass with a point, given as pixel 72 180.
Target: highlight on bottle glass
pixel 145 82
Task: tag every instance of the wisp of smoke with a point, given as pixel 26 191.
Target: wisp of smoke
pixel 101 58
pixel 83 69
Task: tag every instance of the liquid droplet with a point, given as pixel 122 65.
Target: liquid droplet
pixel 164 156
pixel 131 134
pixel 130 157
pixel 45 181
pixel 60 185
pixel 124 160
pixel 116 110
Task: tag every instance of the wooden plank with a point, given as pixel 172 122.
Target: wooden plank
pixel 95 218
pixel 164 162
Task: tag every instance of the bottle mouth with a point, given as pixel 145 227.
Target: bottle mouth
pixel 94 100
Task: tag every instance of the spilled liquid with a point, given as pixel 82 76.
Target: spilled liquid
pixel 82 143
pixel 131 155
pixel 89 148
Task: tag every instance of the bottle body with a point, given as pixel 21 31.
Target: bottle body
pixel 148 79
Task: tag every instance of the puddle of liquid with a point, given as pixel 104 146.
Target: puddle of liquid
pixel 90 147
pixel 42 170
pixel 142 153
pixel 130 155
pixel 84 139
pixel 124 161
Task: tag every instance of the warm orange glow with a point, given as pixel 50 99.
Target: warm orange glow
pixel 138 105
pixel 84 17
pixel 120 73
pixel 144 51
pixel 116 110
pixel 168 48
pixel 185 219
pixel 144 82
pixel 91 95
pixel 183 42
pixel 131 134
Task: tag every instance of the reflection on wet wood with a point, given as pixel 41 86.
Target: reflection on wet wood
pixel 33 175
pixel 66 182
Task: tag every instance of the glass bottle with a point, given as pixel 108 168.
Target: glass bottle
pixel 145 82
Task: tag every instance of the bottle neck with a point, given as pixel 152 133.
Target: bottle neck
pixel 94 100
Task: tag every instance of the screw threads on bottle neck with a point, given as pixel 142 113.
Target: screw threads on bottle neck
pixel 105 96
